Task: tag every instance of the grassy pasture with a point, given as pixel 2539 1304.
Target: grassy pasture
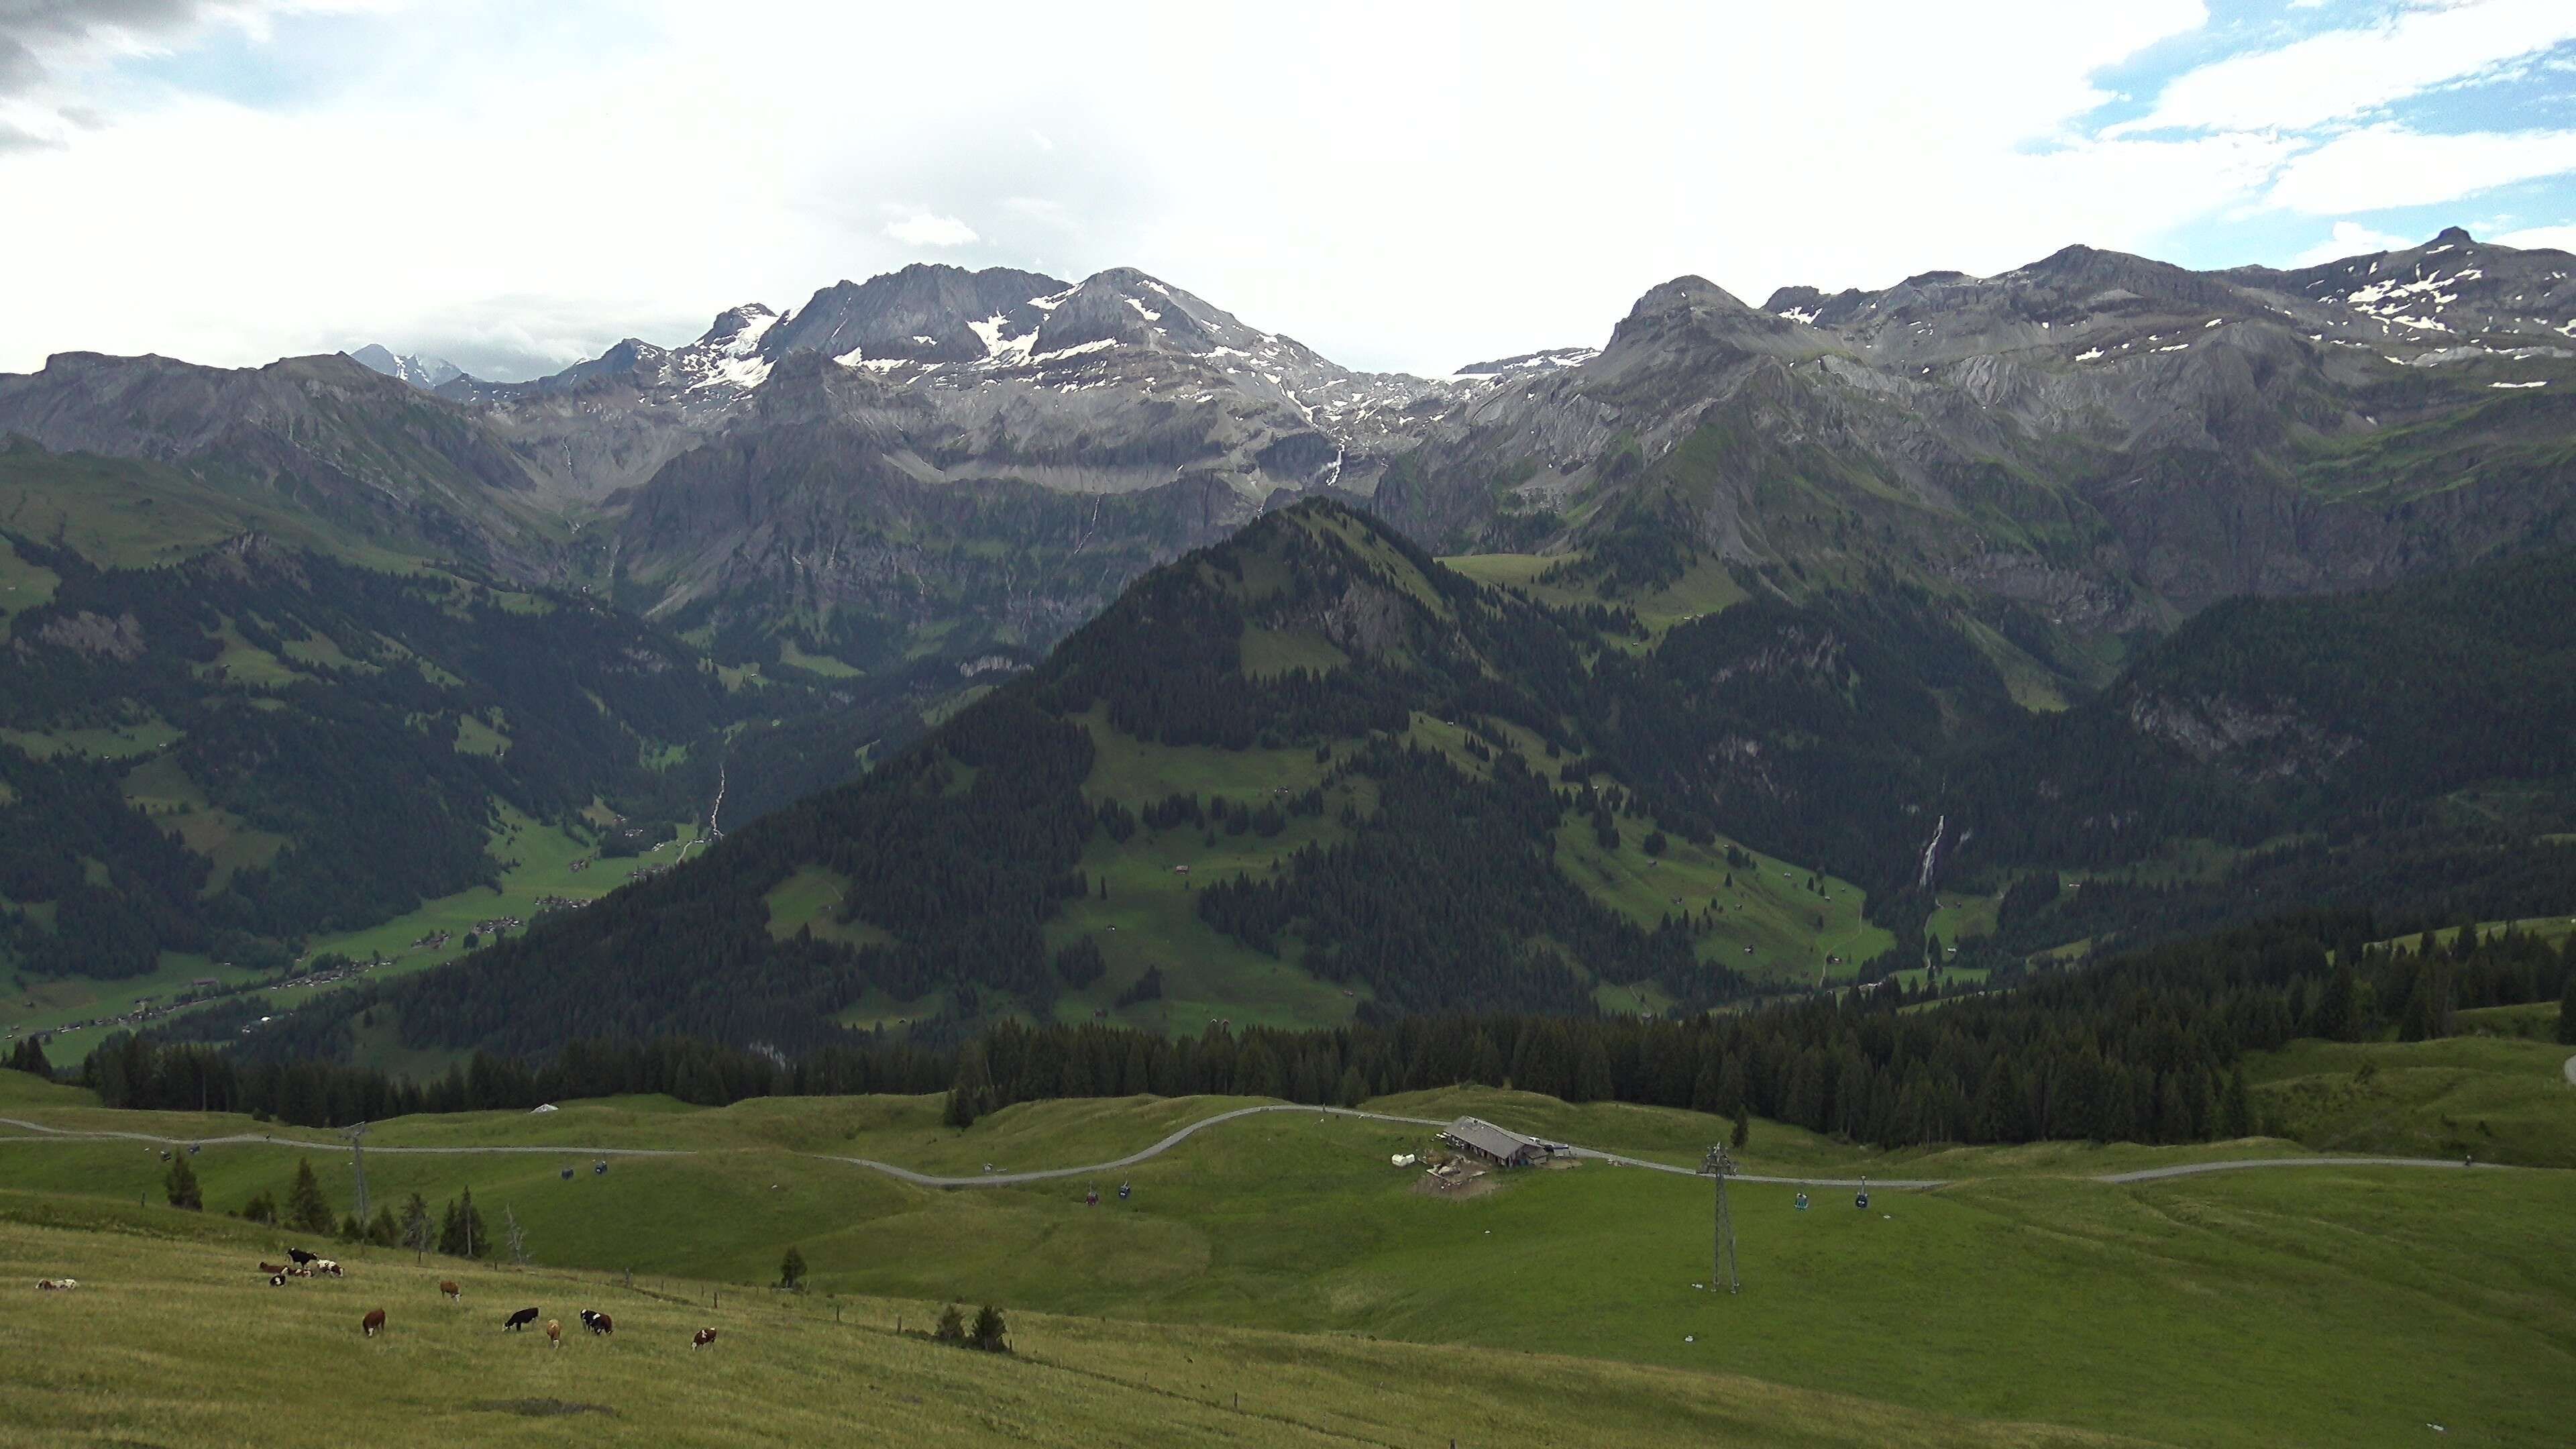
pixel 23 585
pixel 2503 1098
pixel 536 861
pixel 1767 907
pixel 2327 1305
pixel 122 741
pixel 1706 588
pixel 127 1359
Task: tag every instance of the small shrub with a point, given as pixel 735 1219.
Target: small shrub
pixel 952 1325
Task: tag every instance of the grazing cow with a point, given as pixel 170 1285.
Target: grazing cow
pixel 599 1323
pixel 703 1338
pixel 520 1319
pixel 326 1265
pixel 374 1320
pixel 300 1256
pixel 554 1332
pixel 454 1294
pixel 56 1285
pixel 276 1280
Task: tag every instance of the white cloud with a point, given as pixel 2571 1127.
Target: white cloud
pixel 2350 239
pixel 1478 180
pixel 928 229
pixel 2555 238
pixel 2385 166
pixel 2346 73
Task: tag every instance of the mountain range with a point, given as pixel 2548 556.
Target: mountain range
pixel 1983 504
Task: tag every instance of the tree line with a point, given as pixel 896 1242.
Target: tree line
pixel 2144 1047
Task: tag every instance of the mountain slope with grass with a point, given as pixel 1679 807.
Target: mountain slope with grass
pixel 239 732
pixel 1302 775
pixel 1311 774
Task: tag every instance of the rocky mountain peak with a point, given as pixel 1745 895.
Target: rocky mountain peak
pixel 426 373
pixel 740 327
pixel 2454 236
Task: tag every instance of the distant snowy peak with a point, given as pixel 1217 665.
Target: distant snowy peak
pixel 426 373
pixel 728 355
pixel 2451 288
pixel 1528 363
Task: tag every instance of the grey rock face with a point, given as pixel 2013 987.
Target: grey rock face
pixel 2106 440
pixel 2095 443
pixel 426 373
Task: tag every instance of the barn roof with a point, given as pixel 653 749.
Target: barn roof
pixel 1489 1139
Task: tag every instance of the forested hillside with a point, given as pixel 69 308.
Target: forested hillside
pixel 229 728
pixel 1310 774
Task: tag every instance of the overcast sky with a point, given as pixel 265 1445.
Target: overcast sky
pixel 514 186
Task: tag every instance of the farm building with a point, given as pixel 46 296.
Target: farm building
pixel 1479 1138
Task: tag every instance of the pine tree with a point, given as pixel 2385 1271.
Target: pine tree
pixel 2236 1112
pixel 418 1233
pixel 791 1269
pixel 990 1331
pixel 1743 1132
pixel 383 1231
pixel 2332 1017
pixel 952 1325
pixel 29 1056
pixel 181 1184
pixel 307 1211
pixel 2567 1010
pixel 472 1239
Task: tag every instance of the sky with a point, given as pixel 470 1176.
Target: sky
pixel 515 187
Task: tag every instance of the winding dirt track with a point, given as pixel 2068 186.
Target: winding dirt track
pixel 1050 1174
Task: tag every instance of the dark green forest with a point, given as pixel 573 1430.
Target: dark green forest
pixel 2143 1047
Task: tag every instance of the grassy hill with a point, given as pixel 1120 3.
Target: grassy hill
pixel 2503 1098
pixel 132 1362
pixel 2344 1305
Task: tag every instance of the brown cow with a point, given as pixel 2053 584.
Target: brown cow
pixel 374 1320
pixel 704 1337
pixel 554 1332
pixel 325 1265
pixel 56 1285
pixel 299 1272
pixel 272 1267
pixel 454 1294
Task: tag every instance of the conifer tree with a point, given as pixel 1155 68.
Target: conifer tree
pixel 2567 1011
pixel 180 1182
pixel 2332 1018
pixel 2236 1112
pixel 990 1331
pixel 307 1211
pixel 418 1234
